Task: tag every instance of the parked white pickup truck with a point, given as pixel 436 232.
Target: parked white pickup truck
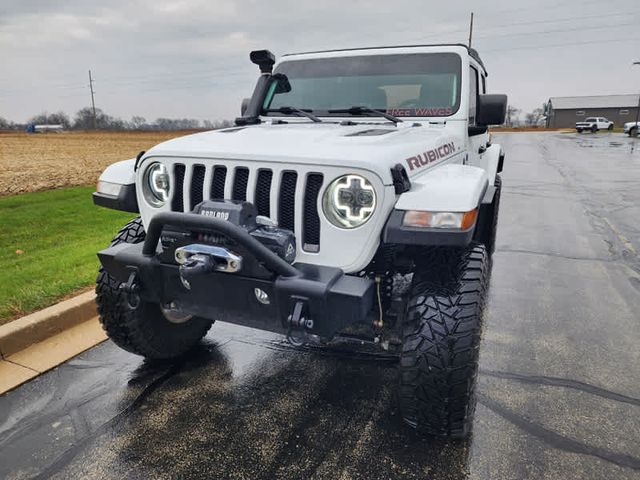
pixel 594 124
pixel 632 128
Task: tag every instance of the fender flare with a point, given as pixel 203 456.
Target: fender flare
pixel 117 187
pixel 492 161
pixel 450 188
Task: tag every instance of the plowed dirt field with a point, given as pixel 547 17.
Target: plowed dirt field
pixel 32 162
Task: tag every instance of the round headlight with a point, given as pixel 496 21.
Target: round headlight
pixel 156 184
pixel 349 201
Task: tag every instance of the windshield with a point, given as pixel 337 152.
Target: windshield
pixel 403 85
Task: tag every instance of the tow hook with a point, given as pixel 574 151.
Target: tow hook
pixel 298 323
pixel 131 289
pixel 198 259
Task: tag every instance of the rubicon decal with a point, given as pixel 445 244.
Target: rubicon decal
pixel 431 156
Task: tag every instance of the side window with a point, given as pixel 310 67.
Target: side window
pixel 473 94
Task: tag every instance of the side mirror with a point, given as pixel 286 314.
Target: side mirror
pixel 244 106
pixel 283 85
pixel 491 109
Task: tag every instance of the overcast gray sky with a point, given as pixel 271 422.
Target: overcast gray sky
pixel 189 58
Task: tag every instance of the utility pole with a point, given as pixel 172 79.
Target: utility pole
pixel 638 108
pixel 470 29
pixel 93 103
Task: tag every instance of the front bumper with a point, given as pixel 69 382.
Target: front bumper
pixel 317 299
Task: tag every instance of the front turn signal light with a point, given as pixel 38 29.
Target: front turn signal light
pixel 456 220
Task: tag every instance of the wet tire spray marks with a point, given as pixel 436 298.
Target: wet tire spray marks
pixel 559 441
pixel 563 382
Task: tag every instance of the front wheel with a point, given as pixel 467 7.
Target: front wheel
pixel 141 327
pixel 441 340
pixel 633 132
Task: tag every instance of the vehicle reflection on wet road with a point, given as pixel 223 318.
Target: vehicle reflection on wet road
pixel 559 387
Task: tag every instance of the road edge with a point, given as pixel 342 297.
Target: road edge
pixel 35 343
pixel 38 326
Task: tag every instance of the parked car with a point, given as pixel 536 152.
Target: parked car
pixel 632 128
pixel 594 124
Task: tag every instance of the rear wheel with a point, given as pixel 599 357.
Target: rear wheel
pixel 594 129
pixel 441 340
pixel 141 327
pixel 610 128
pixel 579 130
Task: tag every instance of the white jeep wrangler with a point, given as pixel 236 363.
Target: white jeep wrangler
pixel 356 199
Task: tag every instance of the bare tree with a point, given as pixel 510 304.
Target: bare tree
pixel 84 120
pixel 177 123
pixel 137 122
pixel 512 114
pixel 44 118
pixel 534 117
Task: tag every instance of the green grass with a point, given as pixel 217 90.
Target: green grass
pixel 48 245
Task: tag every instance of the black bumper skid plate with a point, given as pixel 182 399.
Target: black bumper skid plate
pixel 331 299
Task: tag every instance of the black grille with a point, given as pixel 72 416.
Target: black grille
pixel 263 192
pixel 197 184
pixel 177 204
pixel 310 219
pixel 217 182
pixel 240 181
pixel 236 180
pixel 287 200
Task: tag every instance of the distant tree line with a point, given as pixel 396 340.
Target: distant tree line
pixel 83 120
pixel 535 118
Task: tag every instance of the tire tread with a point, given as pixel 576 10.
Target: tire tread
pixel 441 338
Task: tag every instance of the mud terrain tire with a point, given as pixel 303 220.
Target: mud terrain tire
pixel 488 220
pixel 441 339
pixel 142 330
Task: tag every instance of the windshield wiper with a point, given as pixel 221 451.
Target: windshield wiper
pixel 360 110
pixel 295 111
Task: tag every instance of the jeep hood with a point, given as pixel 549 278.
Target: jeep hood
pixel 374 146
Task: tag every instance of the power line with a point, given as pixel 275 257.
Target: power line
pixel 561 30
pixel 535 47
pixel 517 24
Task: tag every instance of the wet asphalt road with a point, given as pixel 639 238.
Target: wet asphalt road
pixel 559 391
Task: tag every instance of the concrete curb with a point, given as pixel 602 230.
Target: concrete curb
pixel 39 326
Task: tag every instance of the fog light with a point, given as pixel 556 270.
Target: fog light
pixel 262 296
